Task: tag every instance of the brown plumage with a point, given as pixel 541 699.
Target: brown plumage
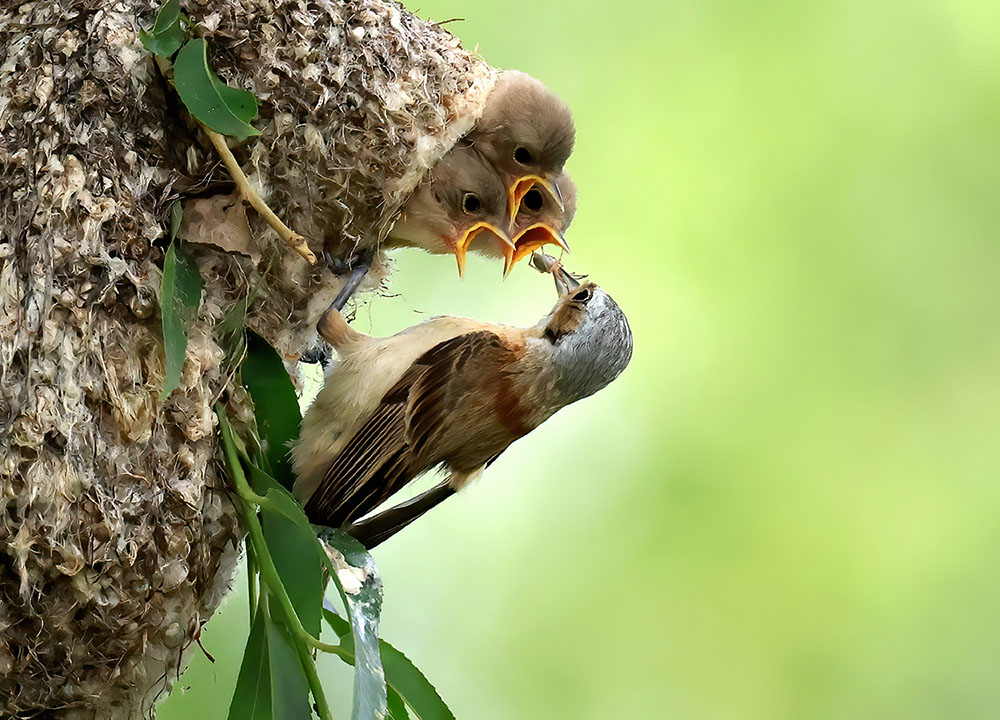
pixel 451 393
pixel 527 134
pixel 470 198
pixel 460 205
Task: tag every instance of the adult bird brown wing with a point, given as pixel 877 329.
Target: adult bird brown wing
pixel 411 430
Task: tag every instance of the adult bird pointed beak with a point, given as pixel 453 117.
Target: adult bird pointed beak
pixel 531 239
pixel 564 280
pixel 470 234
pixel 520 187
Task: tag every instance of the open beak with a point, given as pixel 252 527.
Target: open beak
pixel 462 246
pixel 564 280
pixel 530 239
pixel 520 187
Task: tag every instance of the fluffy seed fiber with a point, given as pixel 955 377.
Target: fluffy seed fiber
pixel 118 538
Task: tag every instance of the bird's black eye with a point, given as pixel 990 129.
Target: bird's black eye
pixel 533 200
pixel 522 156
pixel 582 296
pixel 471 203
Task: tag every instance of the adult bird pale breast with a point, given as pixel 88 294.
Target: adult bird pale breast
pixel 452 393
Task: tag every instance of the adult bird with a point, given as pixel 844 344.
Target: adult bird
pixel 452 393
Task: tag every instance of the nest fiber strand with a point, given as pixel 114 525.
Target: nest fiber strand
pixel 118 537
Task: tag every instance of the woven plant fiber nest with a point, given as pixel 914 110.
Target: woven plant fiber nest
pixel 119 537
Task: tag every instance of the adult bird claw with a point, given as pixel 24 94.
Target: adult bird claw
pixel 359 266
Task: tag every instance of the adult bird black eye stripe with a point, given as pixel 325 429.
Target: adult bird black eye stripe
pixel 471 392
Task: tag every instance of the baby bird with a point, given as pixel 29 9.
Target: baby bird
pixel 522 139
pixel 527 134
pixel 460 205
pixel 540 222
pixel 451 393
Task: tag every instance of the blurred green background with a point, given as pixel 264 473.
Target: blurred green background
pixel 788 506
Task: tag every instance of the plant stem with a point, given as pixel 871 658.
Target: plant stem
pixel 269 573
pixel 249 193
pixel 247 190
pixel 268 570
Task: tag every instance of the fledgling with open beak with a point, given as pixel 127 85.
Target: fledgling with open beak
pixel 522 139
pixel 460 205
pixel 541 222
pixel 527 134
pixel 452 393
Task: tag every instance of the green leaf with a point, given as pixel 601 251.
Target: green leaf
pixel 401 676
pixel 347 545
pixel 364 607
pixel 252 697
pixel 396 706
pixel 289 687
pixel 231 330
pixel 336 623
pixel 224 109
pixel 167 35
pixel 180 295
pixel 176 215
pixel 271 684
pixel 294 548
pixel 275 405
pixel 241 103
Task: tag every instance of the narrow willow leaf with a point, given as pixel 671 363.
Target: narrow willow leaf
pixel 275 405
pixel 396 706
pixel 401 676
pixel 404 677
pixel 180 295
pixel 226 110
pixel 338 624
pixel 167 34
pixel 176 216
pixel 364 605
pixel 252 697
pixel 289 687
pixel 230 330
pixel 294 549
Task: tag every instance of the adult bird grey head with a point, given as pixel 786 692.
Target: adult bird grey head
pixel 450 393
pixel 460 205
pixel 527 134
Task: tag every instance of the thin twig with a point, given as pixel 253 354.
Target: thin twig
pixel 247 190
pixel 249 193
